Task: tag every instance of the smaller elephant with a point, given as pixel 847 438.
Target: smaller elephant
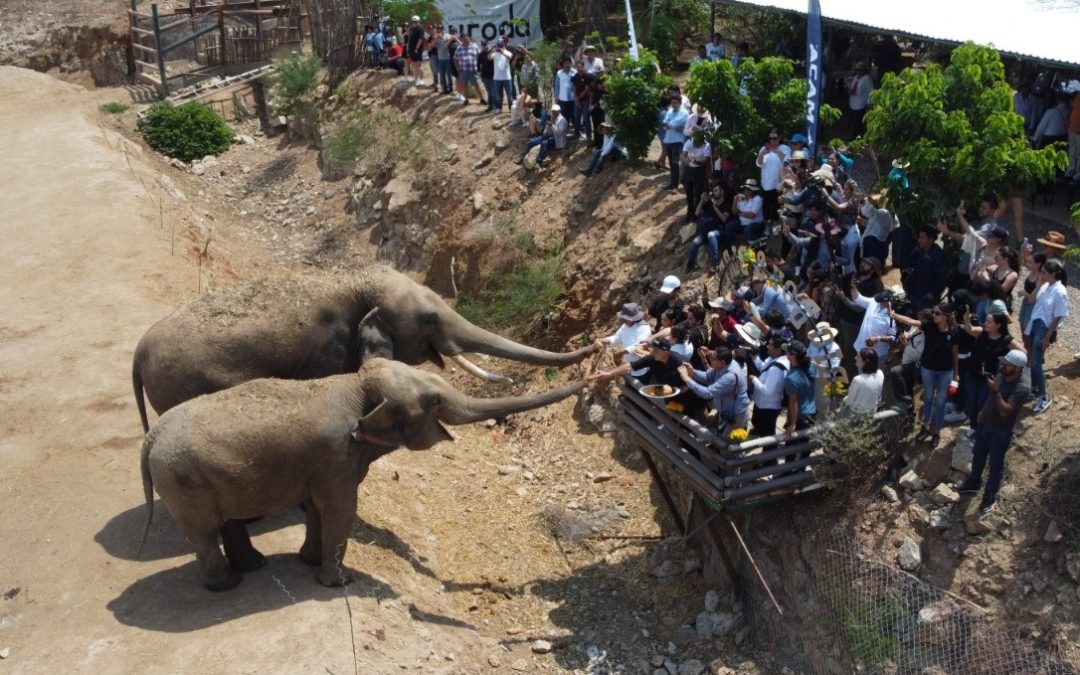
pixel 266 445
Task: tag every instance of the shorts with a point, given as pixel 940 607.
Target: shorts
pixel 416 56
pixel 468 77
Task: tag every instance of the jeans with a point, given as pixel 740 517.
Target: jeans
pixel 975 394
pixel 582 119
pixel 546 146
pixel 694 184
pixel 706 228
pixel 446 74
pixel 489 88
pixel 598 161
pixel 433 63
pixel 567 109
pixel 498 89
pixel 903 382
pixel 1037 355
pixel 935 384
pixel 673 151
pixel 992 444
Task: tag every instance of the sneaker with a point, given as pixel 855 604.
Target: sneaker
pixel 954 417
pixel 1077 354
pixel 966 488
pixel 970 435
pixel 987 506
pixel 1041 405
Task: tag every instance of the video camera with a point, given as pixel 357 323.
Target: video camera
pixel 759 244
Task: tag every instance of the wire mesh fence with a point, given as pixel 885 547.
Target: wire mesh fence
pixel 846 612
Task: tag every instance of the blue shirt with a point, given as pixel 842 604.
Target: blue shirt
pixel 674 121
pixel 802 385
pixel 726 388
pixel 771 298
pixel 378 41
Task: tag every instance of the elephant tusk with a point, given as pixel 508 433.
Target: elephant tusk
pixel 476 370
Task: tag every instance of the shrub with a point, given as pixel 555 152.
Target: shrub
pixel 296 75
pixel 187 132
pixel 527 291
pixel 113 107
pixel 633 98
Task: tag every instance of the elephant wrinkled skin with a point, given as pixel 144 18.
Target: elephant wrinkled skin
pixel 266 445
pixel 309 327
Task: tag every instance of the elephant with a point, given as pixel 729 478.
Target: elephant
pixel 262 446
pixel 307 327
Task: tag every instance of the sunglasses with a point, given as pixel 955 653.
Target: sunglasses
pixel 937 312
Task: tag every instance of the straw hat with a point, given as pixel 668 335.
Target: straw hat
pixel 749 333
pixel 880 198
pixel 1054 239
pixel 900 164
pixel 822 334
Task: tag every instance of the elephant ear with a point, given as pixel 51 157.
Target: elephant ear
pixel 379 427
pixel 372 338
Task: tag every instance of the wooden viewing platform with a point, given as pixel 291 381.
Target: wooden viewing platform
pixel 723 473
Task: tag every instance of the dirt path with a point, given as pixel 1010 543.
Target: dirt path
pixel 85 266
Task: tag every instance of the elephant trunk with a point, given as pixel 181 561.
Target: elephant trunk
pixel 460 409
pixel 463 336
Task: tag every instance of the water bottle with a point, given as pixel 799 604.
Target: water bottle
pixel 953 386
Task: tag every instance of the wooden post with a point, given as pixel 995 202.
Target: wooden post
pixel 221 33
pixel 663 490
pixel 258 31
pixel 712 20
pixel 133 22
pixel 191 10
pixel 164 89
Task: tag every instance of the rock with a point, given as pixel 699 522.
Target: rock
pixel 520 665
pixel 540 647
pixel 244 139
pixel 493 661
pixel 621 512
pixel 1072 566
pixel 944 494
pixel 672 648
pixel 210 161
pixel 477 202
pixel 939 519
pixel 961 457
pixel 178 164
pixel 329 194
pixel 703 625
pixel 198 168
pixel 399 194
pixel 918 514
pixel 909 557
pixel 502 144
pixel 509 469
pixel 648 239
pixel 666 569
pixel 670 667
pixel 691 667
pixel 911 481
pixel 1053 533
pixel 5 652
pixel 484 161
pixel 687 232
pixel 724 623
pixel 657 661
pixel 889 494
pixel 741 635
pixel 712 600
pixel 310 211
pixel 603 477
pixel 280 121
pixel 981 525
pixel 514 630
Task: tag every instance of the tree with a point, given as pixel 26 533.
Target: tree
pixel 957 129
pixel 634 92
pixel 774 97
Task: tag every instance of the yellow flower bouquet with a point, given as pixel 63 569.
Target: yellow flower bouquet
pixel 738 435
pixel 835 389
pixel 674 406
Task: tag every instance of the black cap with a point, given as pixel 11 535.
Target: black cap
pixel 661 343
pixel 884 296
pixel 796 347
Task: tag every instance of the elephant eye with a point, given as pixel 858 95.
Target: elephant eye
pixel 430 401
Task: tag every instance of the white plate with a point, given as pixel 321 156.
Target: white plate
pixel 658 397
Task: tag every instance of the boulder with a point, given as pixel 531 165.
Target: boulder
pixel 944 494
pixel 961 457
pixel 703 625
pixel 198 168
pixel 398 194
pixel 1053 533
pixel 687 232
pixel 909 557
pixel 210 161
pixel 712 601
pixel 911 481
pixel 691 667
pixel 889 494
pixel 541 647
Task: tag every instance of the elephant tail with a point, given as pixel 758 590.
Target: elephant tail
pixel 148 488
pixel 136 381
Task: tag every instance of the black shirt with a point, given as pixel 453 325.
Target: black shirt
pixel 986 353
pixel 415 41
pixel 661 373
pixel 937 350
pixel 661 305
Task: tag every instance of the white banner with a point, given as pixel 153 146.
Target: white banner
pixel 520 19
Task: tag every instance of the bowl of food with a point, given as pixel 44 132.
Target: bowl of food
pixel 659 391
pixel 640 351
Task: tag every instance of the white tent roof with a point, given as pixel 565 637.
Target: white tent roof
pixel 1046 30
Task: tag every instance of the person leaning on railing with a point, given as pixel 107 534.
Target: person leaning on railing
pixel 724 384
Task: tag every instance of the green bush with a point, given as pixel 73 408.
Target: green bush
pixel 633 97
pixel 113 107
pixel 296 75
pixel 187 132
pixel 529 289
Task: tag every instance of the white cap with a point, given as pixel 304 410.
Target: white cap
pixel 415 18
pixel 671 282
pixel 1015 357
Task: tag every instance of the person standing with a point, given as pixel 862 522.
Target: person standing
pixel 564 87
pixel 799 389
pixel 940 366
pixel 696 153
pixel 769 387
pixel 877 330
pixel 724 384
pixel 862 85
pixel 991 341
pixel 1051 308
pixel 925 280
pixel 445 68
pixel 714 51
pixel 770 160
pixel 465 57
pixel 501 58
pixel 1008 392
pixel 673 122
pixel 414 45
pixel 633 331
pixel 1073 130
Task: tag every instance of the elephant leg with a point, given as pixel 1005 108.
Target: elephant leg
pixel 241 554
pixel 214 571
pixel 311 551
pixel 337 520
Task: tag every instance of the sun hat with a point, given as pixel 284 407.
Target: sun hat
pixel 671 283
pixel 822 334
pixel 415 19
pixel 880 198
pixel 722 303
pixel 825 173
pixel 900 164
pixel 799 154
pixel 752 184
pixel 661 343
pixel 749 333
pixel 1054 239
pixel 1015 357
pixel 631 312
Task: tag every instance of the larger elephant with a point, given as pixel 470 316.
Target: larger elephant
pixel 308 327
pixel 266 445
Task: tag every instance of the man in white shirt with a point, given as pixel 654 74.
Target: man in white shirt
pixel 696 153
pixel 610 151
pixel 769 387
pixel 714 51
pixel 626 341
pixel 878 330
pixel 594 65
pixel 862 85
pixel 502 91
pixel 564 87
pixel 770 160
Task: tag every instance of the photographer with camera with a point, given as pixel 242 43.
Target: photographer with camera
pixel 925 280
pixel 724 383
pixel 713 213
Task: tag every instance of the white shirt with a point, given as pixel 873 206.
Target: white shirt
pixel 700 154
pixel 564 84
pixel 1051 302
pixel 594 66
pixel 784 149
pixel 1053 122
pixel 859 96
pixel 879 222
pixel 753 204
pixel 715 52
pixel 825 357
pixel 609 145
pixel 628 337
pixel 876 322
pixel 771 164
pixel 502 65
pixel 864 394
pixel 769 385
